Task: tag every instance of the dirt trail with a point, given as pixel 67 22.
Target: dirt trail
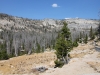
pixel 85 61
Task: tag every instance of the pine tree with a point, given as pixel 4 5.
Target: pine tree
pixel 92 36
pixel 80 38
pixel 63 45
pixel 75 44
pixel 65 31
pixel 98 31
pixel 61 48
pixel 3 52
pixel 38 48
pixel 80 35
pixel 86 39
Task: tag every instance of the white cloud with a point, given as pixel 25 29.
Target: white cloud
pixel 55 5
pixel 67 18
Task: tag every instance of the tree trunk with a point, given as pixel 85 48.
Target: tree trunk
pixel 8 47
pixel 67 58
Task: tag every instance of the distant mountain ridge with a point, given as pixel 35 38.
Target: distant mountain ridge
pixel 9 22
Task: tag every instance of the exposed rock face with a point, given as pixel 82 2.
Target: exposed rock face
pixel 12 22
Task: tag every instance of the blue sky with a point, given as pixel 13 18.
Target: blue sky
pixel 56 9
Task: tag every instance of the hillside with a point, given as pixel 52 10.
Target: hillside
pixel 76 25
pixel 11 22
pixel 24 36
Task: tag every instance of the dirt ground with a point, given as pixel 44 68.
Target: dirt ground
pixel 85 60
pixel 24 64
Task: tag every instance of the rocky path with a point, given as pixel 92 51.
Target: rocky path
pixel 85 60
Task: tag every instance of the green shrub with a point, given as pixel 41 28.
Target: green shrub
pixel 3 55
pixel 86 39
pixel 58 63
pixel 75 44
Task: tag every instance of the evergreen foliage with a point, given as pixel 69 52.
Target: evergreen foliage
pixel 59 63
pixel 65 31
pixel 38 48
pixel 3 52
pixel 98 31
pixel 3 55
pixel 86 39
pixel 63 45
pixel 92 36
pixel 75 43
pixel 80 38
pixel 80 35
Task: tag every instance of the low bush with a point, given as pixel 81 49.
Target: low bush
pixel 58 63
